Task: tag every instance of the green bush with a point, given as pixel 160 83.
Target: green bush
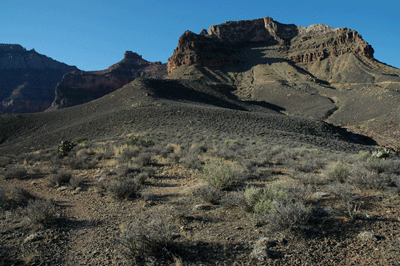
pixel 65 147
pixel 261 200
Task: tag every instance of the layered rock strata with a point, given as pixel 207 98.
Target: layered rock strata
pixel 28 79
pixel 219 46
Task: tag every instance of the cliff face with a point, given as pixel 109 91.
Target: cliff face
pixel 222 43
pixel 27 79
pixel 80 86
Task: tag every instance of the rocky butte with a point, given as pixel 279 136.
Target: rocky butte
pixel 83 86
pixel 27 79
pixel 317 71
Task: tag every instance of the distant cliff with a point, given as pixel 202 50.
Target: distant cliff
pixel 28 79
pixel 81 86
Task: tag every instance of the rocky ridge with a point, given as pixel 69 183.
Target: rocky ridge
pixel 316 71
pixel 27 79
pixel 296 43
pixel 83 86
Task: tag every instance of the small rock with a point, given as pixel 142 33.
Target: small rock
pixel 320 195
pixel 62 188
pixel 32 237
pixel 367 235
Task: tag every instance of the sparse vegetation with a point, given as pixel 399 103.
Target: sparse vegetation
pixel 149 242
pixel 217 194
pixel 60 178
pixel 16 173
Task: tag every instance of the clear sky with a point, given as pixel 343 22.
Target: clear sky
pixel 94 34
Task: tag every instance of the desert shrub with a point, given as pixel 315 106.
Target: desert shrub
pixel 76 181
pixel 80 140
pixel 128 153
pixel 222 174
pixel 235 199
pixel 377 165
pixel 364 155
pixel 289 216
pixel 143 142
pixel 144 159
pixel 148 242
pixel 125 188
pixel 4 161
pixel 105 154
pixel 65 147
pixel 310 165
pixel 208 194
pixel 338 171
pixel 60 178
pixel 190 159
pixel 169 149
pixel 124 170
pixel 262 200
pixel 14 197
pixel 226 153
pixel 174 158
pixel 81 161
pixel 41 211
pixel 345 192
pixel 16 173
pixel 363 178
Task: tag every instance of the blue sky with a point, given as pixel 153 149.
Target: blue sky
pixel 94 34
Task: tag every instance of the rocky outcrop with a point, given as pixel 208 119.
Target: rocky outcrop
pixel 80 86
pixel 221 44
pixel 27 79
pixel 202 50
pixel 320 42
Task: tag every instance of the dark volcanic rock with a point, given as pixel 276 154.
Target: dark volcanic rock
pixel 27 79
pixel 80 86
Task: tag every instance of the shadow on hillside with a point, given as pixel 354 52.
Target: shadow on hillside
pixel 177 91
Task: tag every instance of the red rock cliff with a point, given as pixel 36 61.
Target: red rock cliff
pixel 221 44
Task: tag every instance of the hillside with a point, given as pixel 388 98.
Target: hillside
pixel 318 72
pixel 260 147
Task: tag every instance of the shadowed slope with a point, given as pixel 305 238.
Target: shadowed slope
pixel 149 104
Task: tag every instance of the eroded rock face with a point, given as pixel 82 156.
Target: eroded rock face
pixel 81 86
pixel 221 44
pixel 27 79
